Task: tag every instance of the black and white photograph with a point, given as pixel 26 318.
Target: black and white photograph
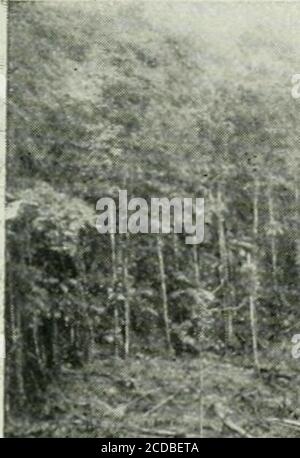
pixel 152 235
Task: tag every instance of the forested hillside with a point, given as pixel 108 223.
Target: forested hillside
pixel 127 96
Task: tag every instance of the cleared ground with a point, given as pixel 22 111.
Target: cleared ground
pixel 157 397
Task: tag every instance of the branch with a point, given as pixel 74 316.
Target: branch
pixel 159 433
pixel 222 414
pixel 218 287
pixel 162 403
pixel 285 421
pixel 227 309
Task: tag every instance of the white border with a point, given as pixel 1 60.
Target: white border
pixel 3 72
pixel 3 79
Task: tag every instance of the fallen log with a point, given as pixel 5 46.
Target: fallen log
pixel 162 403
pixel 285 421
pixel 223 415
pixel 158 432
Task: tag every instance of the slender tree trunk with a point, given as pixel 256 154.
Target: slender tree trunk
pixel 176 251
pixel 252 300
pixel 16 320
pixel 255 210
pixel 224 267
pixel 273 236
pixel 164 294
pixel 196 265
pixel 200 344
pixel 92 338
pixel 38 353
pixel 12 333
pixel 19 358
pixel 126 297
pixel 54 338
pixel 114 286
pixel 253 261
pixel 89 339
pixel 201 393
pixel 297 225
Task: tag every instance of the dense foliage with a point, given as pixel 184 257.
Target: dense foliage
pixel 122 99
